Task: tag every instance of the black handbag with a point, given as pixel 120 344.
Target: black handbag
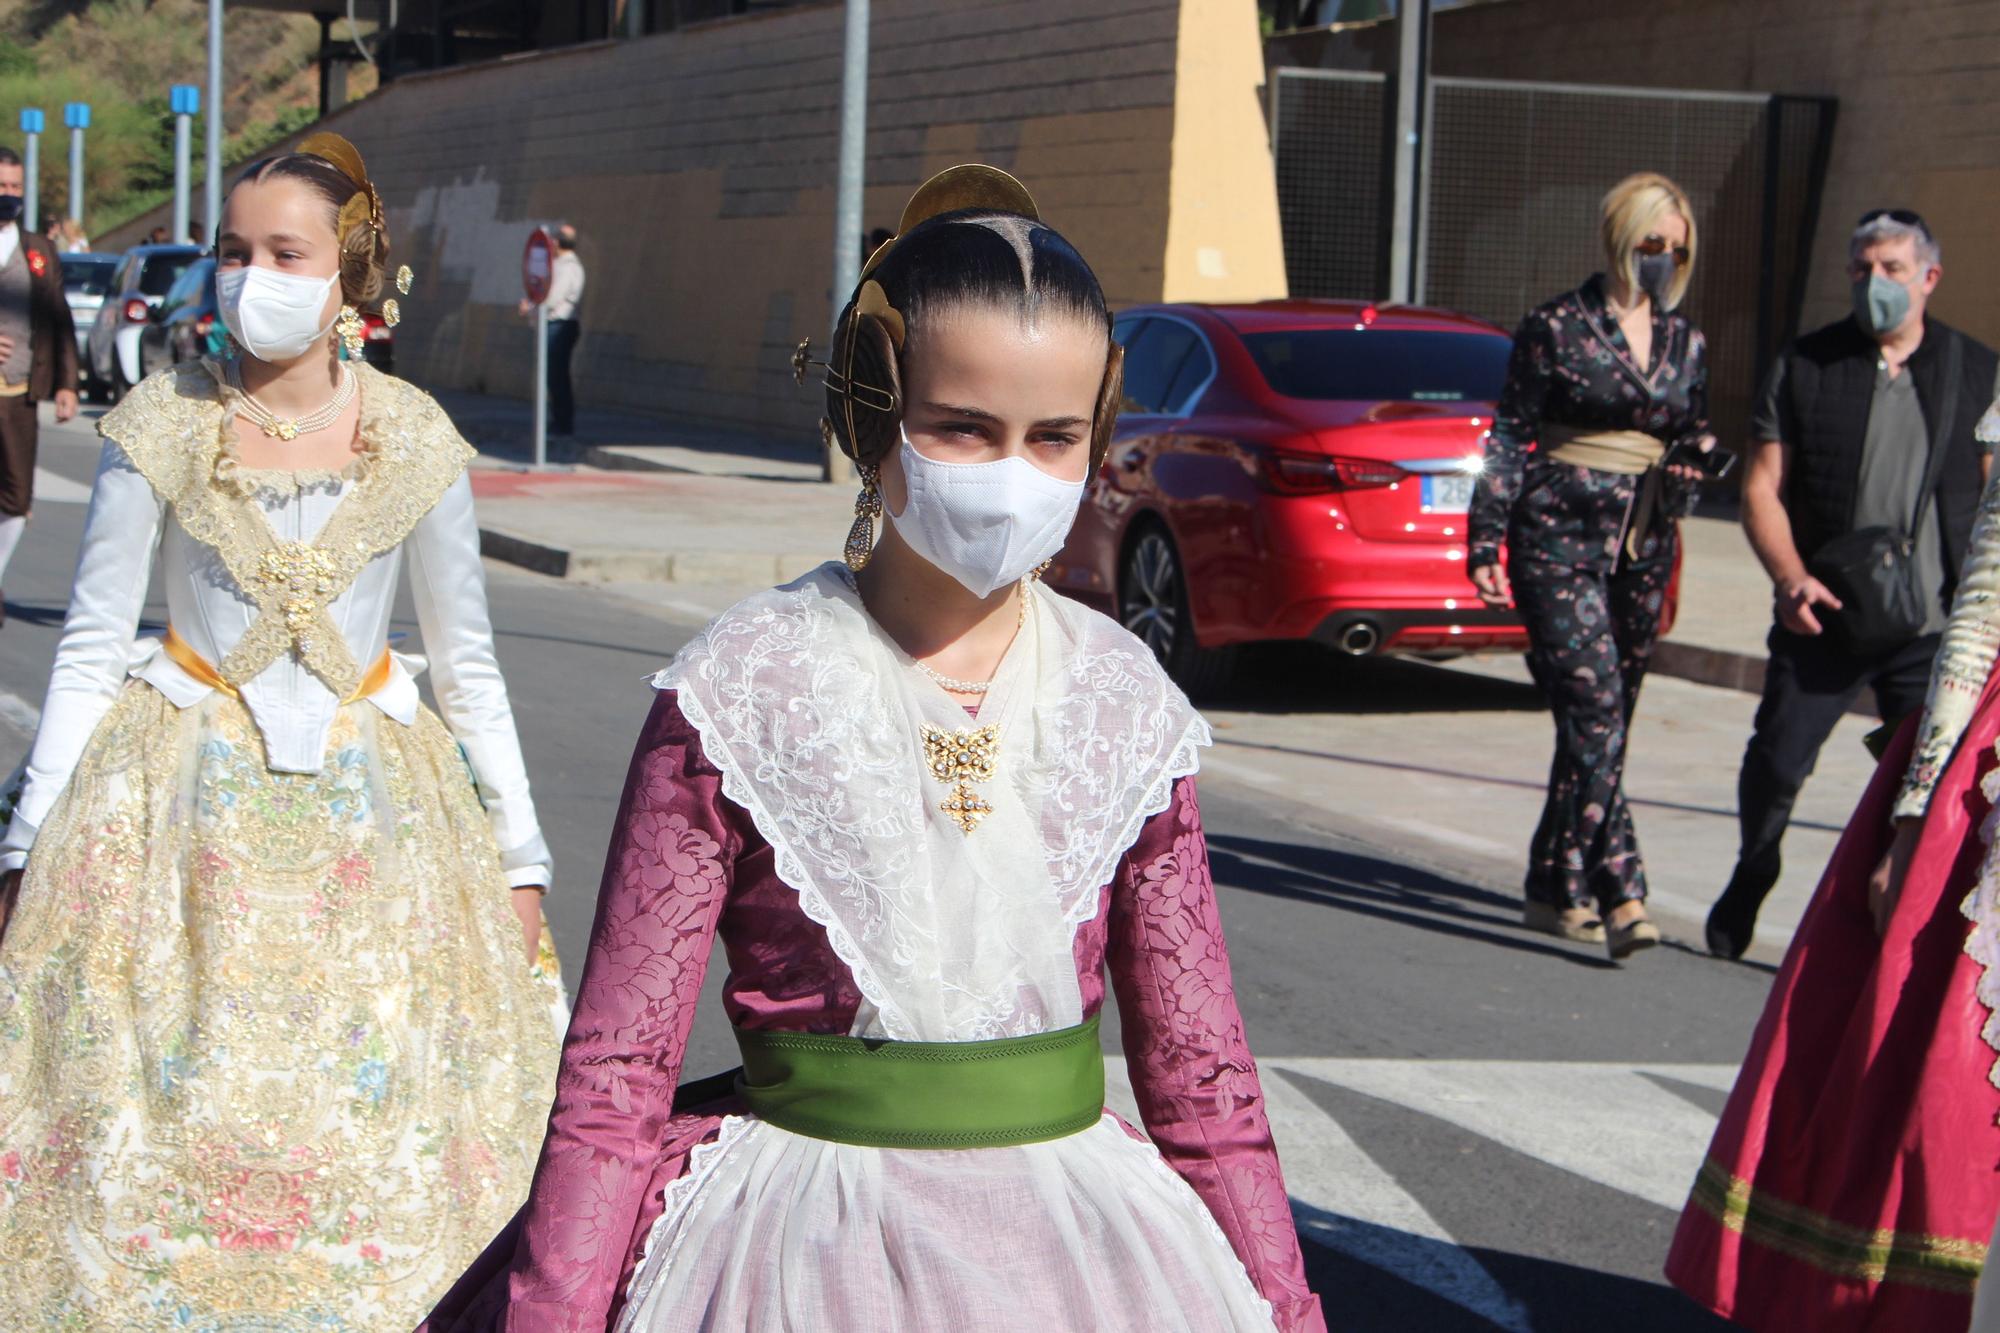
pixel 1873 571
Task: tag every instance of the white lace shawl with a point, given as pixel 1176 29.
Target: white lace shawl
pixel 814 717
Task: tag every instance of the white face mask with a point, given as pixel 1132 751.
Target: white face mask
pixel 274 316
pixel 985 524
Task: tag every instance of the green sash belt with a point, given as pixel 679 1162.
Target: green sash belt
pixel 925 1094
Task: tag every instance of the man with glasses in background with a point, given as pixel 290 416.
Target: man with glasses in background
pixel 1862 443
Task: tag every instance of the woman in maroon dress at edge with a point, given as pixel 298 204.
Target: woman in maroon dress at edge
pixel 1853 1180
pixel 925 803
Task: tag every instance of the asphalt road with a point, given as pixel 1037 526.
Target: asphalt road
pixel 1482 1128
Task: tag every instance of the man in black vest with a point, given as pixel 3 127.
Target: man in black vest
pixel 1845 433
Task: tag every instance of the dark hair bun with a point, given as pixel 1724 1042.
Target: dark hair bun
pixel 867 422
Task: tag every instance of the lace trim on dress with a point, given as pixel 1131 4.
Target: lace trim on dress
pixel 678 1196
pixel 800 707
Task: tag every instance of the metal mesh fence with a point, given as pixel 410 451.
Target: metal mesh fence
pixel 1515 173
pixel 1328 146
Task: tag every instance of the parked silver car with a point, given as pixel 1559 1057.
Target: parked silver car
pixel 86 281
pixel 144 277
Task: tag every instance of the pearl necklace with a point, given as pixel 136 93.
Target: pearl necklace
pixel 290 428
pixel 952 683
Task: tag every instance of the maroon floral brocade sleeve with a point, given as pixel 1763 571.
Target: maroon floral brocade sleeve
pixel 1191 1068
pixel 665 880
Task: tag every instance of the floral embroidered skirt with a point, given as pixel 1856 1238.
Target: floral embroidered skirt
pixel 270 1056
pixel 1853 1180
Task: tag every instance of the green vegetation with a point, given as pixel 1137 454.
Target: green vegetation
pixel 121 56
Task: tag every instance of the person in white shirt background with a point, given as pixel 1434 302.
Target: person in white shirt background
pixel 565 297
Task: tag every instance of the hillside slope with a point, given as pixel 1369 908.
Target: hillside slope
pixel 122 56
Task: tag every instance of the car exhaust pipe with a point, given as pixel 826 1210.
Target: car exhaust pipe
pixel 1360 639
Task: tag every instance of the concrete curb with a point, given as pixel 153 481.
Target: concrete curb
pixel 1709 666
pixel 1719 667
pixel 619 565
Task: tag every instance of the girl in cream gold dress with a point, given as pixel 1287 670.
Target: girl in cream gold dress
pixel 275 1044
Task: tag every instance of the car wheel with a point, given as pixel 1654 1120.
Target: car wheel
pixel 1153 604
pixel 94 390
pixel 119 386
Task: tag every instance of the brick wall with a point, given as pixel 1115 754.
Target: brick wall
pixel 699 169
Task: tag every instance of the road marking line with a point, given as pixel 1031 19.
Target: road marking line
pixel 18 713
pixel 1453 837
pixel 1256 777
pixel 1605 1122
pixel 55 489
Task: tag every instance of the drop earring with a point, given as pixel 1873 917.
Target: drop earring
pixel 352 331
pixel 867 508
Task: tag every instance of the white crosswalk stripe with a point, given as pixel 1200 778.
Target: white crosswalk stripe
pixel 1614 1124
pixel 55 489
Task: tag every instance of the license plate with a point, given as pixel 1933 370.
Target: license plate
pixel 1448 492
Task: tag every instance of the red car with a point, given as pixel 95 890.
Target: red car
pixel 1292 470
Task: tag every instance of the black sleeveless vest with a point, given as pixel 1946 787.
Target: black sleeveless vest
pixel 1830 377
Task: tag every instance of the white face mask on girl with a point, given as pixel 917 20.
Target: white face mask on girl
pixel 274 316
pixel 985 524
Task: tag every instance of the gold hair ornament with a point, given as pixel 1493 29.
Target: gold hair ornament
pixel 352 331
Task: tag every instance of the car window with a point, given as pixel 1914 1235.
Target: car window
pixel 84 276
pixel 1197 368
pixel 156 278
pixel 190 287
pixel 1382 365
pixel 1152 359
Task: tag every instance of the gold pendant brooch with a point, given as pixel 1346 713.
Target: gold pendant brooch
pixel 962 759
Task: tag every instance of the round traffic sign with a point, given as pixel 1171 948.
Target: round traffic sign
pixel 538 265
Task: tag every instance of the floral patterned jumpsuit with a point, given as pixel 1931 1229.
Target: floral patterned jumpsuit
pixel 1592 610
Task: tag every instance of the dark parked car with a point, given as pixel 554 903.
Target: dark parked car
pixel 86 282
pixel 145 276
pixel 185 326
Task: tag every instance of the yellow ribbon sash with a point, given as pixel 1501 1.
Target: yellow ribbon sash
pixel 187 659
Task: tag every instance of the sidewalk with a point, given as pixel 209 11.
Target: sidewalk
pixel 637 498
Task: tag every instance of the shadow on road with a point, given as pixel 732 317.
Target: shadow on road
pixel 1386 891
pixel 1306 678
pixel 1407 1282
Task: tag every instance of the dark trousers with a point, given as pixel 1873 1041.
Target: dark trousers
pixel 20 431
pixel 563 334
pixel 1809 684
pixel 1590 635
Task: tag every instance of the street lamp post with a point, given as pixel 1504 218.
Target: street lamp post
pixel 32 124
pixel 212 212
pixel 77 116
pixel 1413 22
pixel 847 198
pixel 185 100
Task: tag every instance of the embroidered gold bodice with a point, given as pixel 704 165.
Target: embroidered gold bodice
pixel 178 431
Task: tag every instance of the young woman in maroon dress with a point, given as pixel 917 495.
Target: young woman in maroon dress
pixel 1854 1178
pixel 894 879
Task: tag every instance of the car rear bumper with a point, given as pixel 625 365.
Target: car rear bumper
pixel 1363 630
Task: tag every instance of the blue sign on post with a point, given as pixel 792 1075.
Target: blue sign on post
pixel 32 120
pixel 76 116
pixel 184 100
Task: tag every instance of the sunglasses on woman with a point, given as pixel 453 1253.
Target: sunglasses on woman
pixel 1657 245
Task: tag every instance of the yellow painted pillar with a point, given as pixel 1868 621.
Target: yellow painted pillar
pixel 1224 242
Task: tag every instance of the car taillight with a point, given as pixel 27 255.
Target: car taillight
pixel 136 311
pixel 1292 473
pixel 378 329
